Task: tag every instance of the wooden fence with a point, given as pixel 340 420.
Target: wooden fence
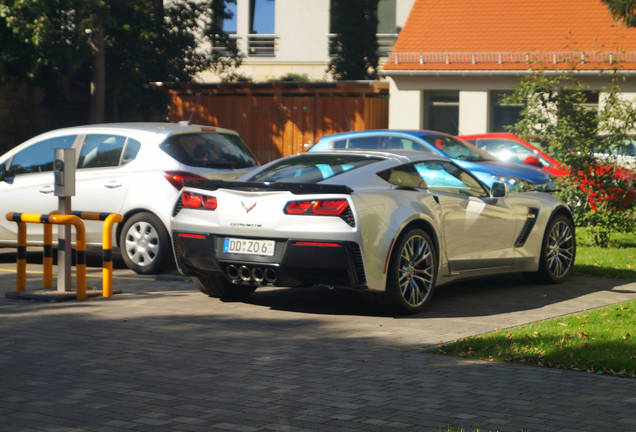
pixel 282 118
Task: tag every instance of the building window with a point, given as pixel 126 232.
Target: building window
pixel 224 42
pixel 442 111
pixel 262 39
pixel 386 32
pixel 502 114
pixel 387 27
pixel 229 22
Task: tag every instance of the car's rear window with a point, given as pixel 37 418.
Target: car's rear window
pixel 209 150
pixel 310 168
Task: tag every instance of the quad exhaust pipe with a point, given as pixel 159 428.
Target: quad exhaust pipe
pixel 254 274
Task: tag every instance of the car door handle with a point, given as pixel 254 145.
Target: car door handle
pixel 113 184
pixel 47 189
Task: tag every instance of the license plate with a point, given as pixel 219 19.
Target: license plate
pixel 249 246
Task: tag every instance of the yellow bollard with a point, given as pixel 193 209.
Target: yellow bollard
pixel 20 278
pixel 107 244
pixel 80 265
pixel 47 256
pixel 47 253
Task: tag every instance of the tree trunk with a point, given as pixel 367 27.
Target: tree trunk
pixel 98 81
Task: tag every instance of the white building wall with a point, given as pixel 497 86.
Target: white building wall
pixel 474 97
pixel 473 111
pixel 405 105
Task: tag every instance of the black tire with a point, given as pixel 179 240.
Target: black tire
pixel 216 285
pixel 145 244
pixel 558 251
pixel 412 272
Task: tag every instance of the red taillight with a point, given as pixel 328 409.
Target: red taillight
pixel 176 177
pixel 209 202
pixel 298 207
pixel 188 235
pixel 191 200
pixel 196 201
pixel 305 243
pixel 317 207
pixel 330 207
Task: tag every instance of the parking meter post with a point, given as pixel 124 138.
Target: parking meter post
pixel 80 245
pixel 107 244
pixel 64 188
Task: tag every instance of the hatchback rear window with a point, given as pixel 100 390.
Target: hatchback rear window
pixel 209 150
pixel 310 168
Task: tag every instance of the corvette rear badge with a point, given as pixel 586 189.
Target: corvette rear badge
pixel 248 208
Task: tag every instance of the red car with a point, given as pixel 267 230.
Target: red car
pixel 508 147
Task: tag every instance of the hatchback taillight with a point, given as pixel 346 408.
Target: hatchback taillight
pixel 176 177
pixel 317 207
pixel 197 201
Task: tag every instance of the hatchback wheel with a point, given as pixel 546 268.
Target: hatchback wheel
pixel 412 272
pixel 145 244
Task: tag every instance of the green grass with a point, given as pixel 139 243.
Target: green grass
pixel 599 341
pixel 617 261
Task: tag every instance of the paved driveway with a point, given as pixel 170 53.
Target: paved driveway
pixel 161 356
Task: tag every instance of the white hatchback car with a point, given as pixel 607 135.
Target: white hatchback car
pixel 135 169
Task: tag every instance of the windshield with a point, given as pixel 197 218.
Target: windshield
pixel 310 168
pixel 209 150
pixel 456 149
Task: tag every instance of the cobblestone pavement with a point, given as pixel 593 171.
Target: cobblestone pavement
pixel 163 357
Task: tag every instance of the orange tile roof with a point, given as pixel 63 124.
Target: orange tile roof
pixel 512 35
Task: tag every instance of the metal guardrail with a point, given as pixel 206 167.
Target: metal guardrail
pixel 261 45
pixel 545 57
pixel 110 219
pixel 386 41
pixel 22 219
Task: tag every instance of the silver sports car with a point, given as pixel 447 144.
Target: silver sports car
pixel 399 223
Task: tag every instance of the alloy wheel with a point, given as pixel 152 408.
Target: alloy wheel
pixel 560 249
pixel 415 272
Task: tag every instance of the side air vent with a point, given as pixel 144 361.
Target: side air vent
pixel 356 255
pixel 177 208
pixel 531 219
pixel 347 216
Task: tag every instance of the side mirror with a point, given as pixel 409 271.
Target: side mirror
pixel 3 172
pixel 499 190
pixel 532 160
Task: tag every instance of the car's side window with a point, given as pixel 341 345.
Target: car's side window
pixel 505 150
pixel 131 150
pixel 446 177
pixel 339 144
pixel 101 151
pixel 404 176
pixel 365 142
pixel 39 156
pixel 394 142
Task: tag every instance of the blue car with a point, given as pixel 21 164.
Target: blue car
pixel 485 167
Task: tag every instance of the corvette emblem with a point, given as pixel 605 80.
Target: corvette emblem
pixel 248 208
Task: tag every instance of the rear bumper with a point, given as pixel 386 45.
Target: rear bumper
pixel 296 262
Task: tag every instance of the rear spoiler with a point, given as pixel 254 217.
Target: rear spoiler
pixel 295 188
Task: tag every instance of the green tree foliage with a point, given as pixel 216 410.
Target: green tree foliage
pixel 50 43
pixel 623 10
pixel 355 24
pixel 554 112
